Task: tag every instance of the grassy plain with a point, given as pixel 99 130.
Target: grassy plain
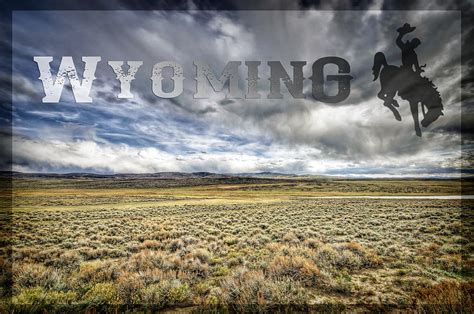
pixel 239 243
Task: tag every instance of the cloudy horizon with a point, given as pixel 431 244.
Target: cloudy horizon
pixel 147 134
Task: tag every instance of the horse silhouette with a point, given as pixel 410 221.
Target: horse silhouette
pixel 408 83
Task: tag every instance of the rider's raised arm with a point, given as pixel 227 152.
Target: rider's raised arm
pixel 399 41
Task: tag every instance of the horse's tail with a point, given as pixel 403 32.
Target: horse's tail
pixel 379 61
pixel 431 99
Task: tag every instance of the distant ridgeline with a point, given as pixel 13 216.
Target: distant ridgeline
pixel 206 80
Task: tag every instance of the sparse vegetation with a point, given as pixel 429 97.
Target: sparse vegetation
pixel 244 245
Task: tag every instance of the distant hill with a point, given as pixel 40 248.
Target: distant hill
pixel 158 175
pixel 197 175
pixel 162 175
pixel 280 175
pixel 265 174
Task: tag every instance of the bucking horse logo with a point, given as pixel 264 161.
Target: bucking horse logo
pixel 408 82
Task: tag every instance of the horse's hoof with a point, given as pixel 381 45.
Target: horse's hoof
pixel 430 118
pixel 397 116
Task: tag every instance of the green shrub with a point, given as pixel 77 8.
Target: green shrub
pixel 102 293
pixel 38 297
pixel 166 293
pixel 36 275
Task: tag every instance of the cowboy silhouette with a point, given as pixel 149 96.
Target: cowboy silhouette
pixel 407 81
pixel 409 57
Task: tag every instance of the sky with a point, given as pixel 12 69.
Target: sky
pixel 358 137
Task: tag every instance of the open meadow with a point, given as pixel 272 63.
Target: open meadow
pixel 196 243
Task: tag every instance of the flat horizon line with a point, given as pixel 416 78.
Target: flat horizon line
pixel 244 174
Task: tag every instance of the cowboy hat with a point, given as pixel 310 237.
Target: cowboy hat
pixel 406 28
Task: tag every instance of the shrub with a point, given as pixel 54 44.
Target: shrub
pixel 202 255
pixel 349 260
pixel 97 271
pixel 37 275
pixel 188 240
pixel 194 266
pixel 38 297
pixel 214 297
pixel 221 271
pixel 102 293
pixel 326 256
pixel 69 259
pixel 144 260
pixel 447 296
pixel 290 237
pixel 150 245
pixel 450 262
pixel 129 287
pixel 313 243
pixel 166 293
pixel 340 283
pixel 154 275
pixel 175 245
pixel 294 267
pixel 368 258
pixel 231 240
pixel 249 290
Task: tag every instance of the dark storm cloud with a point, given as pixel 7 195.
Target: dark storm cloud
pixel 288 135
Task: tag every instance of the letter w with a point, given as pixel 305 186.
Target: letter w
pixel 67 70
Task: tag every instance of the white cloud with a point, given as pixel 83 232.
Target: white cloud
pixel 50 155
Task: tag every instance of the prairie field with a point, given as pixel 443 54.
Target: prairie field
pixel 237 244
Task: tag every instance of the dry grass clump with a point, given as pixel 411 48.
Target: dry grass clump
pixel 246 289
pixel 94 272
pixel 129 287
pixel 145 260
pixel 447 296
pixel 36 275
pixel 296 268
